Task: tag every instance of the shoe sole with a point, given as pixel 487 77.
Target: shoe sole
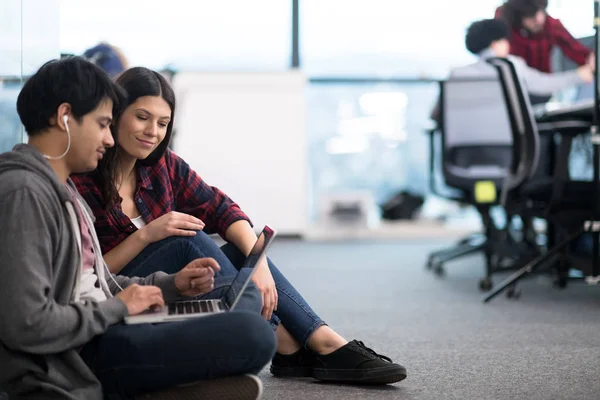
pixel 243 387
pixel 378 376
pixel 291 372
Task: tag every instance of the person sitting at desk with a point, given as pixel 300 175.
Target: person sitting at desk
pixel 534 34
pixel 488 38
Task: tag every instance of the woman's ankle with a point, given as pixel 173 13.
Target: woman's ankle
pixel 325 340
pixel 286 344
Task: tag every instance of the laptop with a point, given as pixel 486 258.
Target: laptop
pixel 183 310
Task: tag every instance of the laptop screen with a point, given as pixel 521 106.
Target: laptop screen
pixel 257 253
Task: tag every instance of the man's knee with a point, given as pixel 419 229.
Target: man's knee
pixel 258 337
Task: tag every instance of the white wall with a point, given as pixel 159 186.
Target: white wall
pixel 245 133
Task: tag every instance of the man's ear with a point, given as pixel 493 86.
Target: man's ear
pixel 58 119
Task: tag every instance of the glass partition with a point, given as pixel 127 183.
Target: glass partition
pixel 29 36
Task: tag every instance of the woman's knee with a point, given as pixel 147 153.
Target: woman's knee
pixel 251 299
pixel 203 242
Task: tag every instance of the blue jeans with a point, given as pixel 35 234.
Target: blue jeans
pixel 173 253
pixel 130 360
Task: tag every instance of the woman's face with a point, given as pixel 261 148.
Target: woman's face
pixel 143 126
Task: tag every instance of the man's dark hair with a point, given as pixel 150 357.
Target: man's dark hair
pixel 481 34
pixel 137 82
pixel 513 11
pixel 70 80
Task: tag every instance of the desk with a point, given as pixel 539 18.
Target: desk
pixel 576 116
pixel 580 111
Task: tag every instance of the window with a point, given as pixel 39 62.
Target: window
pixel 387 38
pixel 192 35
pixel 28 38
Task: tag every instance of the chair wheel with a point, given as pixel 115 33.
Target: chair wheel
pixel 560 283
pixel 431 262
pixel 439 270
pixel 513 293
pixel 485 284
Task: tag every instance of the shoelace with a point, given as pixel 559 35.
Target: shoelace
pixel 372 352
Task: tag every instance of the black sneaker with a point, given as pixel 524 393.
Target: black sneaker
pixel 242 387
pixel 299 364
pixel 356 363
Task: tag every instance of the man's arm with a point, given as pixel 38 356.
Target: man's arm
pixel 543 84
pixel 571 47
pixel 165 282
pixel 30 319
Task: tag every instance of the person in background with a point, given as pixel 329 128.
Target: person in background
pixel 490 38
pixel 534 34
pixel 108 57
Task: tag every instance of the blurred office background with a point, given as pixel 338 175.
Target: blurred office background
pixel 367 72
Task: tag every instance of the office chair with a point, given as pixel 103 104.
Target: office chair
pixel 563 203
pixel 476 147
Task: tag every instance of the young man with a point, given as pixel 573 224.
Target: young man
pixel 61 335
pixel 490 38
pixel 534 34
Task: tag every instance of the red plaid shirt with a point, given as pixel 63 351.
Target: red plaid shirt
pixel 170 185
pixel 535 49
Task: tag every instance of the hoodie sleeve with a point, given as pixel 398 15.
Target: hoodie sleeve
pixel 32 320
pixel 544 84
pixel 165 282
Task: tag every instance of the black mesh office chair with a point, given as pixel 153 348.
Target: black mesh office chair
pixel 563 203
pixel 476 146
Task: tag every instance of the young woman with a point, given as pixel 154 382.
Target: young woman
pixel 155 213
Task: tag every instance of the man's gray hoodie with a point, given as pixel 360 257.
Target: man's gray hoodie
pixel 42 323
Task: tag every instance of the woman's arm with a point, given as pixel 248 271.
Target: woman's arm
pixel 170 224
pixel 241 234
pixel 124 252
pixel 195 197
pixel 572 48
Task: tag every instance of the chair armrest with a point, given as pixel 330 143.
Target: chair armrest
pixel 570 128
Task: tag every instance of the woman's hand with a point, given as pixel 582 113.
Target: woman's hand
pixel 171 224
pixel 266 285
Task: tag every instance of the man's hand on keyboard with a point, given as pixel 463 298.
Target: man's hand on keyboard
pixel 140 298
pixel 198 277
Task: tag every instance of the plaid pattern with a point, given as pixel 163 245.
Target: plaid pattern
pixel 169 185
pixel 536 49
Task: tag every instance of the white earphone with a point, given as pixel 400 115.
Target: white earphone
pixel 65 119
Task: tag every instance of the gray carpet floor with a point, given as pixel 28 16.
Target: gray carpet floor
pixel 546 345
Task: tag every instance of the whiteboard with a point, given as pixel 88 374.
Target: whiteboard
pixel 245 134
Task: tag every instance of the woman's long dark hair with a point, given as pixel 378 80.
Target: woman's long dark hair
pixel 513 11
pixel 137 82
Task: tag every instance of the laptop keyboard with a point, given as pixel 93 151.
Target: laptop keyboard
pixel 194 307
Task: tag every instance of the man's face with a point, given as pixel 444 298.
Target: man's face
pixel 90 138
pixel 535 23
